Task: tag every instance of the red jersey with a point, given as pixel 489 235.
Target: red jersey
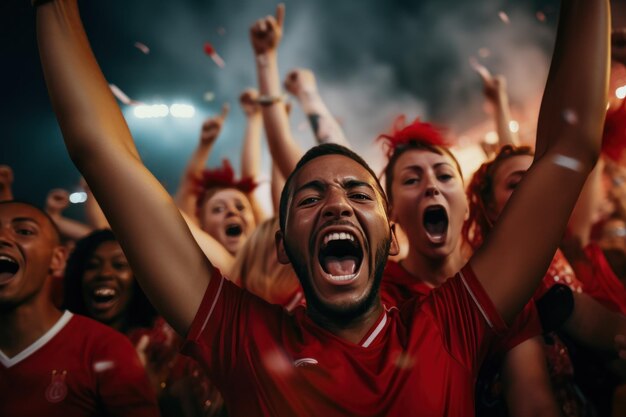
pixel 559 272
pixel 419 360
pixel 77 368
pixel 398 286
pixel 599 280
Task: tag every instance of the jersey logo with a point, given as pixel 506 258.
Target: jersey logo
pixel 57 390
pixel 304 362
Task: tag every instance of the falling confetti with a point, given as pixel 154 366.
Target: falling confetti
pixel 221 31
pixel 210 51
pixel 142 47
pixel 479 68
pixel 570 116
pixel 121 96
pixel 504 17
pixel 209 96
pixel 541 16
pixel 484 53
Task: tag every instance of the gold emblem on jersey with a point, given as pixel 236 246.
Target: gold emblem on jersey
pixel 57 390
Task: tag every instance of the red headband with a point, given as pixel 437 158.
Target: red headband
pixel 403 134
pixel 223 177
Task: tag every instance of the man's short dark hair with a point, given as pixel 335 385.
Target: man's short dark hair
pixel 53 225
pixel 316 152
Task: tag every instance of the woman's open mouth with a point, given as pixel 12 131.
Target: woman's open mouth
pixel 436 223
pixel 103 297
pixel 233 230
pixel 340 256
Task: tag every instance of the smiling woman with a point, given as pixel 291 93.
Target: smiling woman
pixel 100 284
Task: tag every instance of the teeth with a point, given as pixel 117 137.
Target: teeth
pixel 342 277
pixel 104 292
pixel 338 236
pixel 7 258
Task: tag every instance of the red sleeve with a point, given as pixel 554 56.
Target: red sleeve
pixel 122 385
pixel 600 281
pixel 467 318
pixel 527 325
pixel 229 320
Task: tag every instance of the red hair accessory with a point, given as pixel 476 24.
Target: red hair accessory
pixel 614 135
pixel 403 134
pixel 224 177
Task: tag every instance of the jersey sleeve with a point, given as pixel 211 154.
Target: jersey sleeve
pixel 122 385
pixel 527 325
pixel 600 281
pixel 466 317
pixel 229 321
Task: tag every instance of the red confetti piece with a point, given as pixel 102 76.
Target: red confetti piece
pixel 208 49
pixel 541 16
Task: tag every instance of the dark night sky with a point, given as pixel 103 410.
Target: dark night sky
pixel 373 60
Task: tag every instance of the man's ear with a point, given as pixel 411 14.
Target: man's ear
pixel 58 261
pixel 281 253
pixel 394 247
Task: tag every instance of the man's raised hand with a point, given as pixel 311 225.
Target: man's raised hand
pixel 212 126
pixel 299 81
pixel 249 102
pixel 266 33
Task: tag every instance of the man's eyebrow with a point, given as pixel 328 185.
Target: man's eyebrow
pixel 352 183
pixel 25 219
pixel 315 184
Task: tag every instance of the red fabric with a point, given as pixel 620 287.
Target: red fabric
pixel 423 356
pixel 614 135
pixel 224 177
pixel 86 369
pixel 416 131
pixel 599 280
pixel 398 286
pixel 559 272
pixel 186 385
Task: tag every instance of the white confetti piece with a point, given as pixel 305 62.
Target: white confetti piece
pixel 142 47
pixel 504 17
pixel 570 116
pixel 121 96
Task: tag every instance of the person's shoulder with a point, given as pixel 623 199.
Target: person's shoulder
pixel 91 328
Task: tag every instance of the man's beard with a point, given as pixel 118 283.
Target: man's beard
pixel 341 314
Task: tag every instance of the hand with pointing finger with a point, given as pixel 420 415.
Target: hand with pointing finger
pixel 212 126
pixel 266 33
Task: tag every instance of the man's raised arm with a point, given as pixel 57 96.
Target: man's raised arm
pixel 518 251
pixel 165 258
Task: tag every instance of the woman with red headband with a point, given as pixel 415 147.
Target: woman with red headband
pixel 425 188
pixel 221 207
